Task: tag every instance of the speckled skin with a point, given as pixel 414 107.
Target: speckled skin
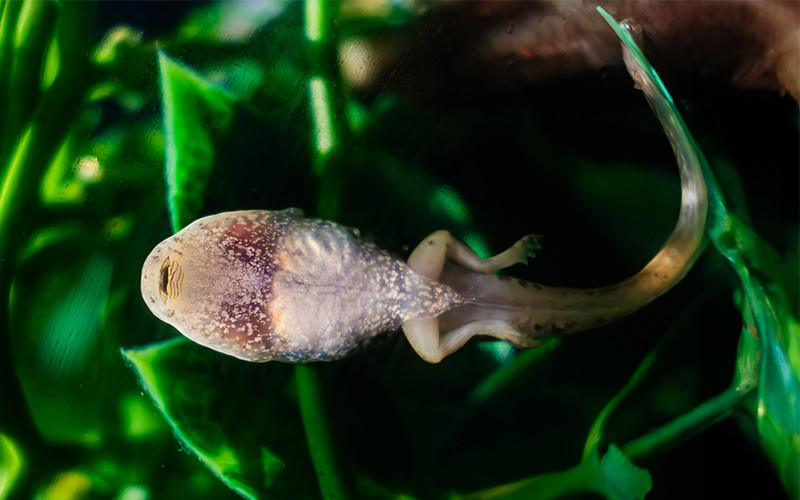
pixel 273 285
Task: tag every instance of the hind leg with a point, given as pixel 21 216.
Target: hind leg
pixel 423 335
pixel 429 256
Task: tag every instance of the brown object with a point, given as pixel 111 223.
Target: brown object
pixel 754 44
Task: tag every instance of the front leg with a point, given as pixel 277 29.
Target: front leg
pixel 429 256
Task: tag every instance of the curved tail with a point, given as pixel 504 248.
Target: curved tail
pixel 530 310
pixel 685 244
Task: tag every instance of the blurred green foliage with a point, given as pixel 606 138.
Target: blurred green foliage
pixel 112 138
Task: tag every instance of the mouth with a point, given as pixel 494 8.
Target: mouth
pixel 170 279
pixel 152 278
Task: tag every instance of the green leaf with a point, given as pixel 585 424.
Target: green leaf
pixel 264 78
pixel 769 348
pixel 619 479
pixel 59 313
pixel 196 114
pixel 235 417
pixel 11 465
pixel 228 22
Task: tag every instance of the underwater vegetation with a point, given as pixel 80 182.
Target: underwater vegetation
pixel 122 122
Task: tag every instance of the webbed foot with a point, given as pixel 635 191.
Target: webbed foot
pixel 429 257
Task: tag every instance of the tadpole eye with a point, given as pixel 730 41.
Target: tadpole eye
pixel 163 283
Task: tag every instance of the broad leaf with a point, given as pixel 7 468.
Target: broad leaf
pixel 235 417
pixel 59 313
pixel 196 112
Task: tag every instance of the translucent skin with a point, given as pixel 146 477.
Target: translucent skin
pixel 264 285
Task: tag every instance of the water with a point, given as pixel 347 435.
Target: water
pixel 438 140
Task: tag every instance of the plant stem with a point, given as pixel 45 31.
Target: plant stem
pixel 33 31
pixel 8 24
pixel 326 105
pixel 687 424
pixel 554 485
pixel 595 435
pixel 318 434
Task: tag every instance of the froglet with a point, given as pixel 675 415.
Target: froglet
pixel 273 285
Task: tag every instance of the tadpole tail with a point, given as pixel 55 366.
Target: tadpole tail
pixel 685 244
pixel 538 310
